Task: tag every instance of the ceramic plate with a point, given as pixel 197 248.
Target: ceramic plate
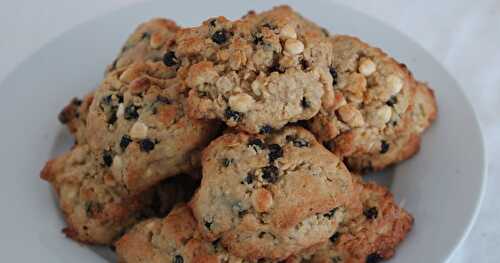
pixel 441 186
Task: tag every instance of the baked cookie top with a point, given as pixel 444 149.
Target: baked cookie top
pixel 268 196
pixel 149 41
pixel 94 205
pixel 372 106
pixel 174 238
pixel 257 73
pixel 375 225
pixel 402 147
pixel 138 127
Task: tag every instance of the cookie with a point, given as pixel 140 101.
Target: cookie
pixel 257 73
pixel 423 113
pixel 268 196
pixel 375 225
pixel 148 42
pixel 138 127
pixel 372 108
pixel 171 239
pixel 74 116
pixel 93 204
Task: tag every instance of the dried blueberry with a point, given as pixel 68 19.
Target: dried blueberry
pixel 330 213
pixel 374 258
pixel 266 129
pixel 120 98
pixel 125 141
pixel 304 63
pixel 371 213
pixel 107 158
pixel 162 99
pixel 112 115
pixel 275 152
pixel 258 39
pixel 256 143
pixel 232 115
pixel 248 179
pixel 384 147
pixel 335 237
pixel 226 162
pixel 219 37
pixel 336 259
pixel 76 101
pixel 207 224
pixel 270 173
pixel 305 103
pixel 393 100
pixel 169 59
pixel 131 112
pixel 145 35
pixel 107 100
pixel 178 259
pixel 334 74
pixel 146 145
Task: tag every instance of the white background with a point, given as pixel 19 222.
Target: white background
pixel 463 35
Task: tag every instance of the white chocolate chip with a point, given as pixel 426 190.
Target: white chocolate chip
pixel 120 111
pixel 294 46
pixel 139 130
pixel 241 102
pixel 380 117
pixel 367 67
pixel 350 115
pixel 117 168
pixel 288 32
pixel 394 84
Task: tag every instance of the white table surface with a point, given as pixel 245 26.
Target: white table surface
pixel 463 35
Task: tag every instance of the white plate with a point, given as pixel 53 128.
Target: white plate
pixel 442 186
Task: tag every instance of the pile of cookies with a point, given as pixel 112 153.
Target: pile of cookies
pixel 241 141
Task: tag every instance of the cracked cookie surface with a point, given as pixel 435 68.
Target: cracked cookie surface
pixel 93 204
pixel 268 196
pixel 373 107
pixel 257 73
pixel 375 225
pixel 174 238
pixel 137 126
pixel 149 41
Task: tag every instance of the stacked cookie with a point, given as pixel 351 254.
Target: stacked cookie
pixel 241 141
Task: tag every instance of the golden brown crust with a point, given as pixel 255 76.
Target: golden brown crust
pixel 374 228
pixel 74 116
pixel 93 204
pixel 371 121
pixel 172 239
pixel 149 41
pixel 138 122
pixel 268 196
pixel 260 72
